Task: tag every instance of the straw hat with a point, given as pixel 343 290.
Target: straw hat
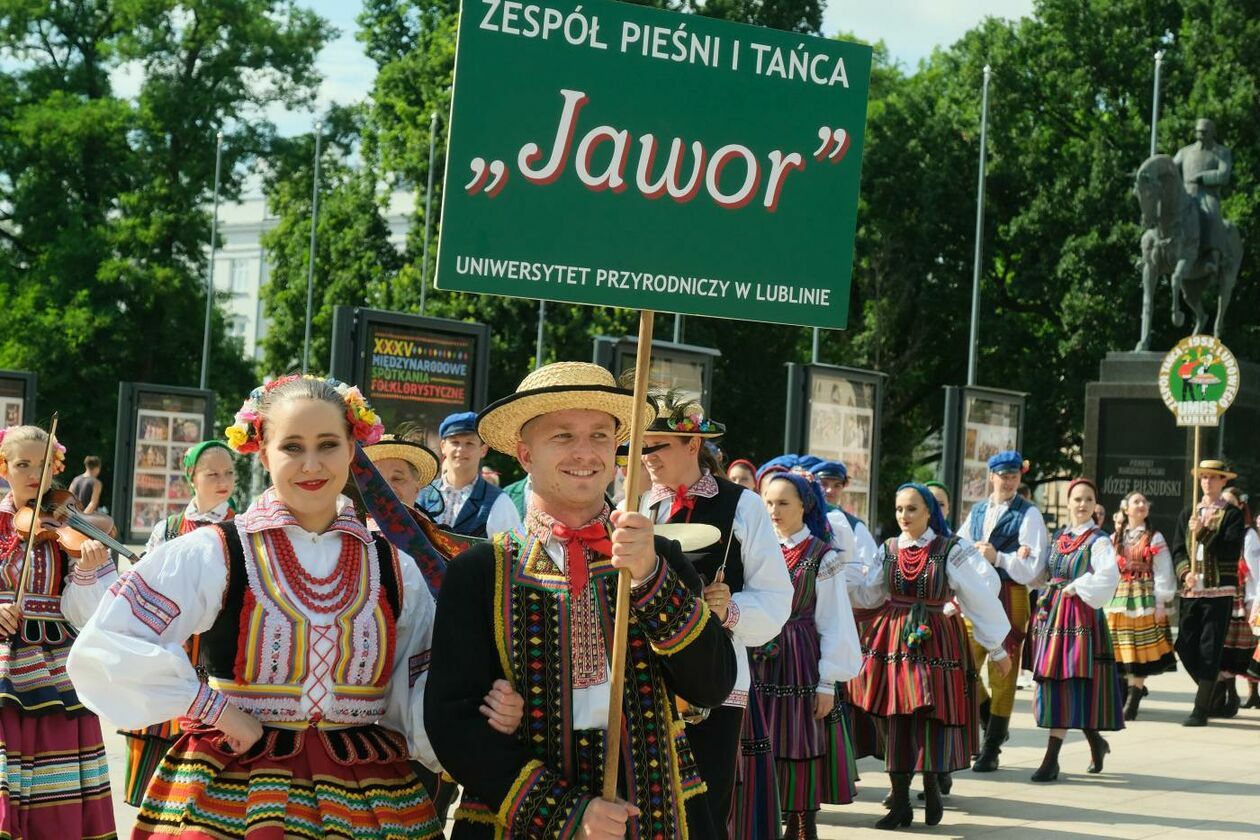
pixel 1212 466
pixel 557 387
pixel 417 454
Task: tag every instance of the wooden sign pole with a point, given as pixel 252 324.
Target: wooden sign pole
pixel 616 690
pixel 1194 505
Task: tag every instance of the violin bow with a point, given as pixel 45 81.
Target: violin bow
pixel 45 479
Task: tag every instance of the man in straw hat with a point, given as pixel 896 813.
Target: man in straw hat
pixel 408 466
pixel 1207 590
pixel 535 606
pixel 1001 526
pixel 747 581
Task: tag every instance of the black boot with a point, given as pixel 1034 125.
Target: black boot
pixel 1098 749
pixel 1230 707
pixel 1253 701
pixel 1131 704
pixel 795 827
pixel 985 714
pixel 932 807
pixel 900 813
pixel 1216 706
pixel 994 736
pixel 944 781
pixel 809 825
pixel 1049 769
pixel 1202 699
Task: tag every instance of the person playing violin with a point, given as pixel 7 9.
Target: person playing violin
pixel 43 724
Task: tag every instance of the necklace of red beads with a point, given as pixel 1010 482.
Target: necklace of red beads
pixel 328 594
pixel 912 560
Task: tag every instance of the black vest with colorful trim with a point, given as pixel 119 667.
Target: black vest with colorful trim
pixel 256 652
pixel 718 511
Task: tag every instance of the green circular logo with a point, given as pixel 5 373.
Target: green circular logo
pixel 1199 380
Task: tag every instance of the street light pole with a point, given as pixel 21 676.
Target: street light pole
pixel 1159 63
pixel 428 217
pixel 975 272
pixel 214 243
pixel 310 265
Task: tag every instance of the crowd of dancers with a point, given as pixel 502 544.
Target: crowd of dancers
pixel 384 634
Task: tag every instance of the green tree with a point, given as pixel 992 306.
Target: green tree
pixel 103 198
pixel 356 264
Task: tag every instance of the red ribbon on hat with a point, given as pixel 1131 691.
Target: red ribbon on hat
pixel 682 500
pixel 577 541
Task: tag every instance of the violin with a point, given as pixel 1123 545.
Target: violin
pixel 60 520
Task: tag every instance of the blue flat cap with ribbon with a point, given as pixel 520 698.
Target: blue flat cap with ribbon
pixel 782 462
pixel 460 423
pixel 1005 462
pixel 830 469
pixel 807 462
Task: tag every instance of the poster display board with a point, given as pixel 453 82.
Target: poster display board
pixel 17 402
pixel 686 368
pixel 834 414
pixel 157 424
pixel 414 371
pixel 979 423
pixel 644 159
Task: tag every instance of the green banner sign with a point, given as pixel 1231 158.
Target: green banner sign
pixel 615 155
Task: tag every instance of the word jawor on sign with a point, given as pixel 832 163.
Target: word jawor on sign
pixel 615 155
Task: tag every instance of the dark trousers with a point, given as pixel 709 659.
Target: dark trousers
pixel 715 744
pixel 441 793
pixel 1201 628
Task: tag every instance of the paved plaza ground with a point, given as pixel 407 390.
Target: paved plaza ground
pixel 1160 781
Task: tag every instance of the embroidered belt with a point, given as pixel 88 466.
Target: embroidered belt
pixel 912 603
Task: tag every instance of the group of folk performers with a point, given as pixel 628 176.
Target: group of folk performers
pixel 380 632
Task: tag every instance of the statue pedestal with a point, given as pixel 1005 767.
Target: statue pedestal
pixel 1133 443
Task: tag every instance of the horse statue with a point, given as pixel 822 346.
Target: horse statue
pixel 1174 225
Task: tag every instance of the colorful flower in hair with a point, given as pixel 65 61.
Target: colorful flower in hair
pixel 245 435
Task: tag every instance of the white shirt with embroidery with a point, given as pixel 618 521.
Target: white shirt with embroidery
pixel 757 612
pixel 216 514
pixel 1096 587
pixel 840 651
pixel 135 672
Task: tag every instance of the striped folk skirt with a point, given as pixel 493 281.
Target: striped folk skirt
pixel 1143 643
pixel 1074 664
pixel 54 782
pixel 1240 643
pixel 314 783
pixel 924 697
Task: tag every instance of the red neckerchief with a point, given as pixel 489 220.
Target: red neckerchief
pixel 682 500
pixel 591 537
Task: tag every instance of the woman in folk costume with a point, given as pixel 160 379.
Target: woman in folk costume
pixel 314 636
pixel 1251 561
pixel 211 472
pixel 1240 644
pixel 1137 616
pixel 209 469
pixel 798 678
pixel 917 673
pixel 1074 663
pixel 55 782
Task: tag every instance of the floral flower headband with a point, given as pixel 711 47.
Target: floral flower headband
pixel 59 452
pixel 245 435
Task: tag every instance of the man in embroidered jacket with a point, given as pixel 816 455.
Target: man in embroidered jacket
pixel 536 606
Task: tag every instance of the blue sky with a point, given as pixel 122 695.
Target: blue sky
pixel 911 28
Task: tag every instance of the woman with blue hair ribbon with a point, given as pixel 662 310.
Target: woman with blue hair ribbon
pixel 799 714
pixel 917 670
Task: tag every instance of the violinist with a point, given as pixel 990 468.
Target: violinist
pixel 42 722
pixel 211 471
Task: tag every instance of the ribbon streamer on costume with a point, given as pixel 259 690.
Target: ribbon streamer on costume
pixel 395 520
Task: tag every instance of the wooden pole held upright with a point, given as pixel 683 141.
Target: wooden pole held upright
pixel 1194 505
pixel 616 690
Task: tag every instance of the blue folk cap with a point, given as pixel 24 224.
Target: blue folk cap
pixel 808 462
pixel 782 462
pixel 830 469
pixel 460 423
pixel 1008 461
